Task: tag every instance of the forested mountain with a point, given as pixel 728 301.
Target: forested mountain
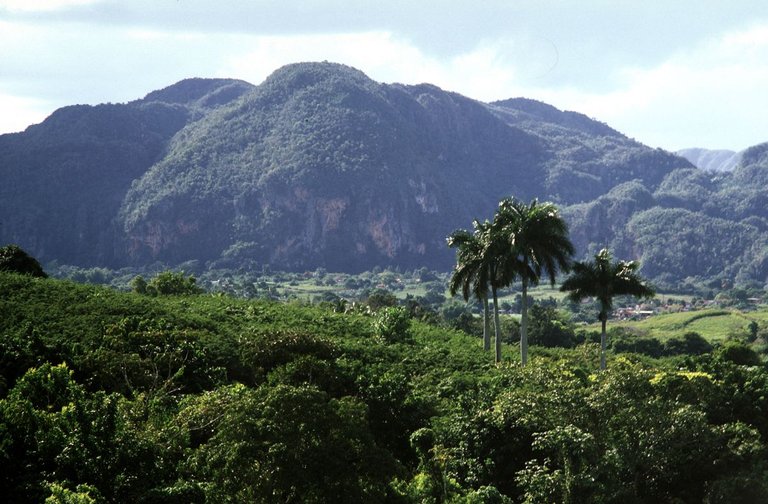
pixel 320 166
pixel 695 226
pixel 64 180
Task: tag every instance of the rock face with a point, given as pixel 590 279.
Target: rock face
pixel 320 166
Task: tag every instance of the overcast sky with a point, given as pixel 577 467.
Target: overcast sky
pixel 669 73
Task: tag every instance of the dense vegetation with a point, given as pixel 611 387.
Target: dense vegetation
pixel 320 166
pixel 118 397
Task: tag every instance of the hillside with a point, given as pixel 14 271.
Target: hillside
pixel 320 166
pixel 116 397
pixel 64 180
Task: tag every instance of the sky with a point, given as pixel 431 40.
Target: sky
pixel 669 73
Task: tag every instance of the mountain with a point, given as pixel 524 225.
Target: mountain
pixel 712 160
pixel 696 227
pixel 320 166
pixel 65 179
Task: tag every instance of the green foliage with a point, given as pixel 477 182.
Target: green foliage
pixel 392 324
pixel 167 283
pixel 214 399
pixel 52 428
pixel 691 244
pixel 288 444
pixel 380 298
pixel 549 328
pixel 62 495
pixel 15 260
pixel 139 285
pixel 739 353
pixel 692 343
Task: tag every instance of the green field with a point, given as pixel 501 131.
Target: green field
pixel 712 324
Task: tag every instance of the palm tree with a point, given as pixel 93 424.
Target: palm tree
pixel 471 274
pixel 479 266
pixel 603 279
pixel 537 244
pixel 500 272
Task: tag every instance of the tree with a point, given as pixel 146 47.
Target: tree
pixel 603 279
pixel 167 283
pixel 502 271
pixel 16 260
pixel 286 444
pixel 139 285
pixel 536 243
pixel 381 298
pixel 548 328
pixel 481 264
pixel 471 274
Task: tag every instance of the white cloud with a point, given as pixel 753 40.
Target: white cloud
pixel 696 97
pixel 378 54
pixel 18 113
pixel 700 97
pixel 483 73
pixel 42 5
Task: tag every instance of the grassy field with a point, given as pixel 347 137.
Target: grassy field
pixel 712 324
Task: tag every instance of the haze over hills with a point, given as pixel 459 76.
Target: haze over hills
pixel 320 166
pixel 713 160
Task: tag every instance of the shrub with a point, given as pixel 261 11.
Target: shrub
pixel 392 324
pixel 738 353
pixel 15 260
pixel 167 283
pixel 692 343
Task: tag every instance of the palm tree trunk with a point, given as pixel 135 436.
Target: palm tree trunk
pixel 603 344
pixel 486 325
pixel 524 325
pixel 497 325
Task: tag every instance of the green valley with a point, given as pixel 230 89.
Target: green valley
pixel 109 396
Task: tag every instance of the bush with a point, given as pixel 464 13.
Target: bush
pixel 692 343
pixel 738 353
pixel 646 346
pixel 167 283
pixel 15 260
pixel 392 324
pixel 547 328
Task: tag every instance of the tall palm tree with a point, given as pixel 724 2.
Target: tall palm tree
pixel 500 272
pixel 480 266
pixel 537 244
pixel 603 279
pixel 470 275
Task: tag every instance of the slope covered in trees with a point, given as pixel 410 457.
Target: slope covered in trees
pixel 117 397
pixel 696 226
pixel 319 166
pixel 64 180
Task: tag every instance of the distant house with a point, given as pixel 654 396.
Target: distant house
pixel 637 312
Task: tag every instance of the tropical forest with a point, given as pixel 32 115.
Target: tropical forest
pixel 325 289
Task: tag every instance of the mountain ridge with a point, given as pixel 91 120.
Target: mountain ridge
pixel 320 166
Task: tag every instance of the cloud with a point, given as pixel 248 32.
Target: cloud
pixel 699 97
pixel 18 112
pixel 43 5
pixel 696 97
pixel 491 70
